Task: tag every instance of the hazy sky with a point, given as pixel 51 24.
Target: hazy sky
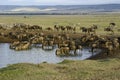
pixel 56 2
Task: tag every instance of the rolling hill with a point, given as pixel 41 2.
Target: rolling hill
pixel 59 9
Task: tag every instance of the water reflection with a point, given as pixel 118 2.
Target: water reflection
pixel 35 55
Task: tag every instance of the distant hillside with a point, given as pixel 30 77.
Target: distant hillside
pixel 59 9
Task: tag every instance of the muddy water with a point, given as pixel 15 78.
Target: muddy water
pixel 36 55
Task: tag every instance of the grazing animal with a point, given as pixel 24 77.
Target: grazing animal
pixel 91 30
pixel 62 45
pixel 22 37
pixel 73 48
pixel 37 40
pixel 79 48
pixel 109 47
pixel 63 51
pixel 69 28
pixel 49 29
pixel 112 24
pixel 108 29
pixel 48 45
pixel 35 27
pixel 57 28
pixel 62 28
pixel 88 30
pixel 94 26
pixel 94 46
pixel 84 29
pixel 14 44
pixel 116 44
pixel 23 46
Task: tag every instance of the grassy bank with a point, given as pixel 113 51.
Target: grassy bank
pixel 107 69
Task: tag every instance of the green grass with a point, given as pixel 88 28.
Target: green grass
pixel 108 69
pixel 50 20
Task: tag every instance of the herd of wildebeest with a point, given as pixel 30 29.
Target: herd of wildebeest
pixel 66 38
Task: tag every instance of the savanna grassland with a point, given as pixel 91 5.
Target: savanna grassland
pixel 50 20
pixel 103 69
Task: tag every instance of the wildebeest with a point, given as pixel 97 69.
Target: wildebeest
pixel 84 29
pixel 48 45
pixel 112 24
pixel 88 30
pixel 110 27
pixel 63 51
pixel 17 45
pixel 35 27
pixel 94 26
pixel 14 44
pixel 23 46
pixel 48 29
pixel 62 28
pixel 57 28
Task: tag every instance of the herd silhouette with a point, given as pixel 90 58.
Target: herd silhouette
pixel 65 38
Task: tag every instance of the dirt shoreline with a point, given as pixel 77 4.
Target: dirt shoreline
pixel 103 55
